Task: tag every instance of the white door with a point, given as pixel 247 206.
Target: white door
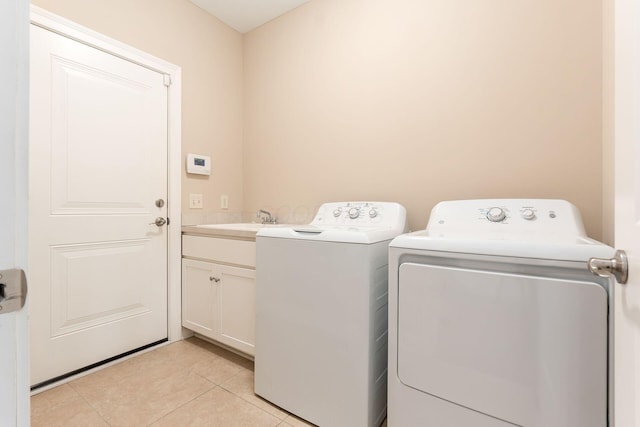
pixel 14 381
pixel 626 312
pixel 97 166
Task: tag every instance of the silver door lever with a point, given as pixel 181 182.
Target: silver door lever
pixel 159 222
pixel 618 266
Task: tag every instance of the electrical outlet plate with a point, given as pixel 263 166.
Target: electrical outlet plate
pixel 224 201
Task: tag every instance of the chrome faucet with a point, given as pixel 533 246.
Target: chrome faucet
pixel 267 219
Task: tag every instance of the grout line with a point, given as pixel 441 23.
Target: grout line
pixel 175 409
pixel 252 403
pixel 255 406
pixel 96 410
pixel 191 400
pixel 249 402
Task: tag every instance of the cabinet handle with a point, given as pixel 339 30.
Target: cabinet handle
pixel 214 279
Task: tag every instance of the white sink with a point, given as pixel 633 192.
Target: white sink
pixel 241 226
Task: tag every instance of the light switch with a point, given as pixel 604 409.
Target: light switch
pixel 195 201
pixel 224 201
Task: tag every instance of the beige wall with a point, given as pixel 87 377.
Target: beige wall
pixel 210 54
pixel 418 102
pixel 410 101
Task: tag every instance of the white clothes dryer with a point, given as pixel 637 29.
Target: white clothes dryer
pixel 321 313
pixel 495 320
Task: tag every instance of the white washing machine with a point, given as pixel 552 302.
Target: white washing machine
pixel 495 320
pixel 321 313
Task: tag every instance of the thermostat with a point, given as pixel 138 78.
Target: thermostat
pixel 198 164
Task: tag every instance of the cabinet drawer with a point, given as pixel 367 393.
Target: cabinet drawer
pixel 239 252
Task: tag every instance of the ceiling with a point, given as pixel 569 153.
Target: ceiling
pixel 245 15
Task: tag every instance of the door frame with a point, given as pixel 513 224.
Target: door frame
pixel 66 28
pixel 621 125
pixel 14 130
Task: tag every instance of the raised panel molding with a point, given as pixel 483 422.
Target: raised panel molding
pixel 73 166
pixel 73 284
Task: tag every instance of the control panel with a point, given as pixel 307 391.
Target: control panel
pixel 507 215
pixel 198 164
pixel 356 214
pixel 499 213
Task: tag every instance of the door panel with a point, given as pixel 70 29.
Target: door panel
pixel 199 297
pixel 238 307
pixel 73 160
pixel 626 122
pixel 98 162
pixel 112 297
pixel 505 344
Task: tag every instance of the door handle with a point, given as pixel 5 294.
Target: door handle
pixel 618 266
pixel 159 222
pixel 13 290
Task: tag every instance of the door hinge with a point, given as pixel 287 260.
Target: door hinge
pixel 167 80
pixel 168 221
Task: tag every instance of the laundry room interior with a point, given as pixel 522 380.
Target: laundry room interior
pixel 329 116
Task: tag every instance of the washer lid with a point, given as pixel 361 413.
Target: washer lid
pixel 348 222
pixel 360 235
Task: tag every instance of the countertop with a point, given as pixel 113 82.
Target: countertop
pixel 245 231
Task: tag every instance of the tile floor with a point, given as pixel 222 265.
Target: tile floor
pixel 188 383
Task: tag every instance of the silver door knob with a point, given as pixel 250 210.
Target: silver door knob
pixel 618 266
pixel 159 222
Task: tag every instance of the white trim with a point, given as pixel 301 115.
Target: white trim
pixel 14 103
pixel 72 30
pixel 66 28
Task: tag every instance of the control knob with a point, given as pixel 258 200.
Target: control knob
pixel 337 212
pixel 373 213
pixel 496 214
pixel 528 214
pixel 354 213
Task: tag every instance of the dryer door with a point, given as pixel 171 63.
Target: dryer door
pixel 528 350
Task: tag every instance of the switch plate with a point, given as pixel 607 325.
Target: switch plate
pixel 195 201
pixel 224 201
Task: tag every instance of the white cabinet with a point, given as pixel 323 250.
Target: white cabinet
pixel 218 299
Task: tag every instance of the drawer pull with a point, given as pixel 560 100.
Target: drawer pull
pixel 214 279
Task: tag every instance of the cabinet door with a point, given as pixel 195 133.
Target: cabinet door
pixel 237 303
pixel 199 297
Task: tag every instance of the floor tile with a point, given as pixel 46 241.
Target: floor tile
pixel 172 385
pixel 218 407
pixel 220 365
pixel 242 385
pixel 143 389
pixel 63 406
